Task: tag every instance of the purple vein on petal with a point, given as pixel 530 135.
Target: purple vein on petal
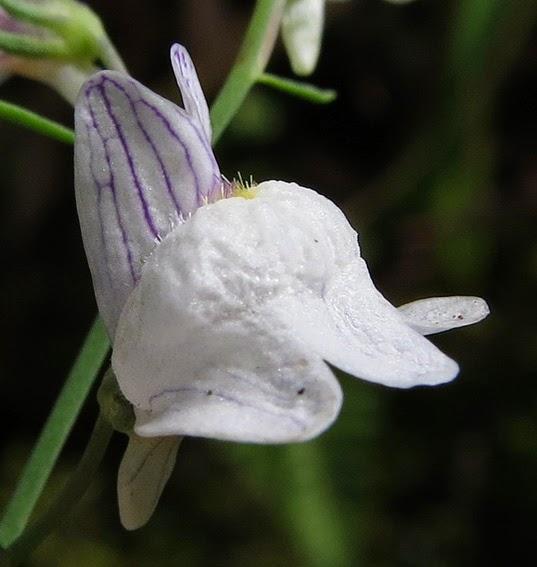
pixel 217 178
pixel 111 185
pixel 146 458
pixel 149 140
pixel 177 138
pixel 226 397
pixel 132 168
pixel 100 188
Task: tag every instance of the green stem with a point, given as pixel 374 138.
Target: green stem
pixel 54 433
pixel 22 117
pixel 251 62
pixel 72 492
pixel 310 507
pixel 110 56
pixel 300 89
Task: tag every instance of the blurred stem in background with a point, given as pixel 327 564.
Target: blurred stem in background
pixel 22 117
pixel 312 510
pixel 71 493
pixel 54 433
pixel 251 61
pixel 297 486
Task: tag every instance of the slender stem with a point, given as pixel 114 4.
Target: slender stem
pixel 300 89
pixel 22 117
pixel 110 56
pixel 54 433
pixel 251 62
pixel 72 492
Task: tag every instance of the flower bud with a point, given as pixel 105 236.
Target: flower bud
pixel 302 28
pixel 53 41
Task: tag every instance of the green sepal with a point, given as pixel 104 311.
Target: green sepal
pixel 32 47
pixel 78 32
pixel 115 408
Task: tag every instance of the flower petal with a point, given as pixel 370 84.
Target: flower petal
pixel 302 28
pixel 189 85
pixel 144 471
pixel 198 350
pixel 354 328
pixel 438 314
pixel 234 379
pixel 141 165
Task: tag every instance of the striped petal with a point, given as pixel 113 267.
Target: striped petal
pixel 142 164
pixel 189 85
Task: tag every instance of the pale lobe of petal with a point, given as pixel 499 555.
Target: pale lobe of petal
pixel 232 378
pixel 302 28
pixel 143 473
pixel 438 314
pixel 354 328
pixel 199 324
pixel 187 80
pixel 141 165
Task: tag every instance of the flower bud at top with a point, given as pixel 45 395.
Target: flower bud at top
pixel 53 41
pixel 62 29
pixel 302 28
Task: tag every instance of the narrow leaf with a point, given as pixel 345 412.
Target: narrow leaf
pixel 28 119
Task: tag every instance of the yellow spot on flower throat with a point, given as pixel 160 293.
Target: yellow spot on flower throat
pixel 244 189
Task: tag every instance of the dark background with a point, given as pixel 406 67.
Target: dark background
pixel 431 151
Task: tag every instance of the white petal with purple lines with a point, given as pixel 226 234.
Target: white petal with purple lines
pixel 189 85
pixel 142 164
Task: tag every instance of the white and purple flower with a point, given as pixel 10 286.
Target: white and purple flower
pixel 225 302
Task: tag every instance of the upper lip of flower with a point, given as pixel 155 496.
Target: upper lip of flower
pixel 142 164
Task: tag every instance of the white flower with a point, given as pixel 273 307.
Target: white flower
pixel 225 311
